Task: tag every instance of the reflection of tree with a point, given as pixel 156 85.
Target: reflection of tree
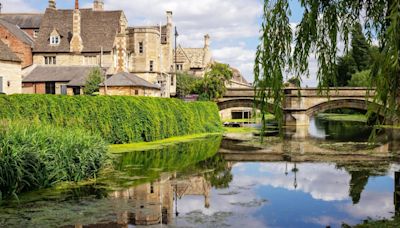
pixel 221 175
pixel 359 180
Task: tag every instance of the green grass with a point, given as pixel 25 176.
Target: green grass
pixel 343 117
pixel 142 146
pixel 240 130
pixel 34 156
pixel 268 117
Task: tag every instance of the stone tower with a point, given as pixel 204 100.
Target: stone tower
pixel 98 5
pixel 207 51
pixel 52 4
pixel 76 44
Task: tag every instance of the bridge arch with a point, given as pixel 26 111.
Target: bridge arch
pixel 344 103
pixel 245 102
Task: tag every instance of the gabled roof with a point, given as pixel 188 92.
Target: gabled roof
pixel 127 79
pixel 73 75
pixel 23 20
pixel 194 55
pixel 98 29
pixel 6 54
pixel 17 32
pixel 238 77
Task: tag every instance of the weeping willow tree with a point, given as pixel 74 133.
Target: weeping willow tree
pixel 284 49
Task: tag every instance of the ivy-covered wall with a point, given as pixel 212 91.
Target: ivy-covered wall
pixel 117 119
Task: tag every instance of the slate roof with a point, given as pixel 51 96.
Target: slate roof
pixel 24 21
pixel 73 75
pixel 6 54
pixel 98 29
pixel 17 32
pixel 238 77
pixel 127 79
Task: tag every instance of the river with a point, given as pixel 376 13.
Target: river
pixel 325 175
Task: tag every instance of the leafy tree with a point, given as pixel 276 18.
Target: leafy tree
pixel 322 23
pixel 92 84
pixel 360 48
pixel 295 81
pixel 361 79
pixel 213 86
pixel 186 84
pixel 346 68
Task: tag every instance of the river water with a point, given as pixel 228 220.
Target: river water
pixel 322 176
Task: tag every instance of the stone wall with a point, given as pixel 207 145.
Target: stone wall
pixel 66 59
pixel 11 76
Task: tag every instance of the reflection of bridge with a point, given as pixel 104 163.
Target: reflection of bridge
pixel 300 105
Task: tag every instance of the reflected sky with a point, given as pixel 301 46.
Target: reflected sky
pixel 262 195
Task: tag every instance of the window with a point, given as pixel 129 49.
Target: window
pixel 76 91
pixel 151 65
pixel 35 33
pixel 50 60
pixel 179 67
pixel 141 47
pixel 172 80
pixel 50 88
pixel 136 92
pixel 55 40
pixel 91 60
pixel 1 85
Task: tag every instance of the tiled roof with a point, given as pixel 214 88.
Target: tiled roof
pixel 196 56
pixel 17 32
pixel 98 30
pixel 73 75
pixel 6 54
pixel 24 21
pixel 238 77
pixel 128 79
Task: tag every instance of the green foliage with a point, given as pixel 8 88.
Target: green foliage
pixel 360 48
pixel 117 119
pixel 322 24
pixel 213 85
pixel 186 84
pixel 346 68
pixel 92 84
pixel 34 156
pixel 295 81
pixel 361 79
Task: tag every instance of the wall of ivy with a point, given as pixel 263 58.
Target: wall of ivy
pixel 118 119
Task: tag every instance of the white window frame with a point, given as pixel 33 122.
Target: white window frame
pixel 55 40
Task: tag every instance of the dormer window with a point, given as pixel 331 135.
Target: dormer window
pixel 55 40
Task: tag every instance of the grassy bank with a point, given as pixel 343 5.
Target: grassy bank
pixel 35 156
pixel 117 119
pixel 343 117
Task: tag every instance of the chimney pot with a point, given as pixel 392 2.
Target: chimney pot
pixel 169 17
pixel 52 4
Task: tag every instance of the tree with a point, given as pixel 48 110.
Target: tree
pixel 295 81
pixel 360 48
pixel 346 68
pixel 213 85
pixel 322 23
pixel 92 84
pixel 186 84
pixel 360 79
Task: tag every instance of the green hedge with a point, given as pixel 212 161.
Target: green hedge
pixel 36 156
pixel 117 119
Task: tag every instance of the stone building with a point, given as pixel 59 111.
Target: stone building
pixel 19 42
pixel 10 71
pixel 128 84
pixel 27 22
pixel 151 54
pixel 194 61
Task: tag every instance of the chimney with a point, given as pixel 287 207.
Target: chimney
pixel 206 41
pixel 52 4
pixel 169 17
pixel 98 5
pixel 76 41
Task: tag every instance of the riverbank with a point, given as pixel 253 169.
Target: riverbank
pixel 343 117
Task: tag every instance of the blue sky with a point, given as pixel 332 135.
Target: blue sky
pixel 232 24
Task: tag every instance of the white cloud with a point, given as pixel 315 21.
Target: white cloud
pixel 13 6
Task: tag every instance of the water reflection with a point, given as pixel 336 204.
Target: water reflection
pixel 283 184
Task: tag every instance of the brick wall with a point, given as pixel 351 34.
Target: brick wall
pixel 21 49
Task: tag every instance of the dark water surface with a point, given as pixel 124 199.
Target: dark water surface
pixel 326 175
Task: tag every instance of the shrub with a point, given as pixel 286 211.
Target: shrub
pixel 117 119
pixel 34 156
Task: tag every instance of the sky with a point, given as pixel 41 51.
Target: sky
pixel 232 24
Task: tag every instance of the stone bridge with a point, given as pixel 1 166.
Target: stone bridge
pixel 301 104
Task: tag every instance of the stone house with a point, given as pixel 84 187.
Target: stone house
pixel 10 71
pixel 194 61
pixel 18 41
pixel 27 22
pixel 151 54
pixel 128 84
